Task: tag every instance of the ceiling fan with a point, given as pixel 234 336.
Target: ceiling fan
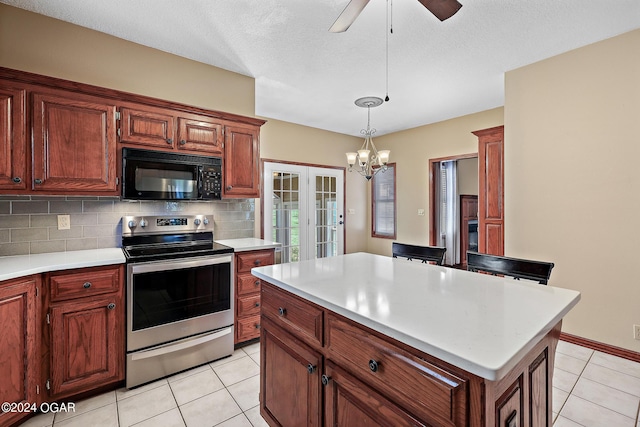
pixel 442 9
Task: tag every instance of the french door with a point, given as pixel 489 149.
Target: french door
pixel 303 210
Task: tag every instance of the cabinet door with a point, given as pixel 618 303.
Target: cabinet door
pixel 87 344
pixel 289 379
pixel 19 338
pixel 147 127
pixel 349 402
pixel 201 135
pixel 241 161
pixel 13 142
pixel 74 144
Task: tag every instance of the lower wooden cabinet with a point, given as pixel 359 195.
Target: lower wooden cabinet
pixel 86 329
pixel 247 293
pixel 19 345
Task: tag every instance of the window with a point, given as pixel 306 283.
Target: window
pixel 383 201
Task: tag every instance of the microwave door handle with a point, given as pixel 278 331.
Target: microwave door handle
pixel 200 178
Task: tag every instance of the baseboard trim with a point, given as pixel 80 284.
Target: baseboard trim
pixel 605 348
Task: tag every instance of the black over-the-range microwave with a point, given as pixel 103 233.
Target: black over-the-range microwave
pixel 157 175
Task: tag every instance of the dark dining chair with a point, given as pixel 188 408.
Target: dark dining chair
pixel 424 253
pixel 517 268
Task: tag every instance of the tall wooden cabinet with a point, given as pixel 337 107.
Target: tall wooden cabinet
pixel 20 344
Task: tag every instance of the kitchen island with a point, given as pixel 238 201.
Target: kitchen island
pixel 367 339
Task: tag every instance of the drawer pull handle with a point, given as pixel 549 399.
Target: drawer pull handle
pixel 282 311
pixel 311 368
pixel 111 306
pixel 325 379
pixel 373 365
pixel 257 262
pixel 86 285
pixel 257 304
pixel 257 283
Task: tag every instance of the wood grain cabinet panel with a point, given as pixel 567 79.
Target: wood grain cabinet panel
pixel 86 331
pixel 13 140
pixel 200 134
pixel 241 161
pixel 247 293
pixel 74 144
pixel 148 127
pixel 19 341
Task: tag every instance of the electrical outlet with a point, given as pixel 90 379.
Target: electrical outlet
pixel 636 332
pixel 64 222
pixel 421 212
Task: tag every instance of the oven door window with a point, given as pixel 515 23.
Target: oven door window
pixel 169 296
pixel 157 180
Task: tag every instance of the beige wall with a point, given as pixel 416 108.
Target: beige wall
pixel 411 151
pixel 468 176
pixel 38 44
pixel 572 183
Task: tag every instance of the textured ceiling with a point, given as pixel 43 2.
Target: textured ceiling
pixel 304 74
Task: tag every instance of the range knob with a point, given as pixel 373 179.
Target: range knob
pixel 205 221
pixel 132 224
pixel 143 223
pixel 196 221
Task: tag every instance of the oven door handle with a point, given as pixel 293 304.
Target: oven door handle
pixel 170 348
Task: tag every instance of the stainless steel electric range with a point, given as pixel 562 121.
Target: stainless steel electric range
pixel 179 295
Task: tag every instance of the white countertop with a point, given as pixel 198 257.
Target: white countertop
pixel 24 265
pixel 249 244
pixel 483 324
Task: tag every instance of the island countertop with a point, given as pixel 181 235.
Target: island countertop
pixel 480 323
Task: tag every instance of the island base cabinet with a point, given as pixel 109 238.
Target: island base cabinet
pixel 348 402
pixel 290 386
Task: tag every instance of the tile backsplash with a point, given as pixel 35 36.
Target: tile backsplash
pixel 29 224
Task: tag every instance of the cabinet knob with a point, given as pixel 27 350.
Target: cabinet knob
pixel 86 285
pixel 257 283
pixel 311 368
pixel 17 180
pixel 257 304
pixel 325 379
pixel 183 142
pixel 169 141
pixel 257 262
pixel 373 365
pixel 282 311
pixel 38 181
pixel 111 306
pixel 229 187
pixel 257 325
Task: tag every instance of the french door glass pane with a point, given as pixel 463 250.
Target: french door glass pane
pixel 326 223
pixel 285 214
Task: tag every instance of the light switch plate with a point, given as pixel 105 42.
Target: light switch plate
pixel 421 212
pixel 64 222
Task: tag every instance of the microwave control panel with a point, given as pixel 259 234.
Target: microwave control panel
pixel 212 182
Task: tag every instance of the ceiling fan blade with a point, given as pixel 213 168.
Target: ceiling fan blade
pixel 442 9
pixel 348 15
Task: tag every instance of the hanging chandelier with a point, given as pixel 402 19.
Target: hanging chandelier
pixel 369 160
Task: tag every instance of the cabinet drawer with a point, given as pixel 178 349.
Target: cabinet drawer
pixel 398 374
pixel 248 284
pixel 84 282
pixel 248 305
pixel 293 314
pixel 247 328
pixel 245 261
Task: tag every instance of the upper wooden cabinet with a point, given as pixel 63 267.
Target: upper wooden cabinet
pixel 74 144
pixel 13 141
pixel 241 161
pixel 74 129
pixel 165 129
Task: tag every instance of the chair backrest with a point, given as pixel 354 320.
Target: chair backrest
pixel 514 267
pixel 425 253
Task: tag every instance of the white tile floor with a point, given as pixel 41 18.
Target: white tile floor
pixel 591 389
